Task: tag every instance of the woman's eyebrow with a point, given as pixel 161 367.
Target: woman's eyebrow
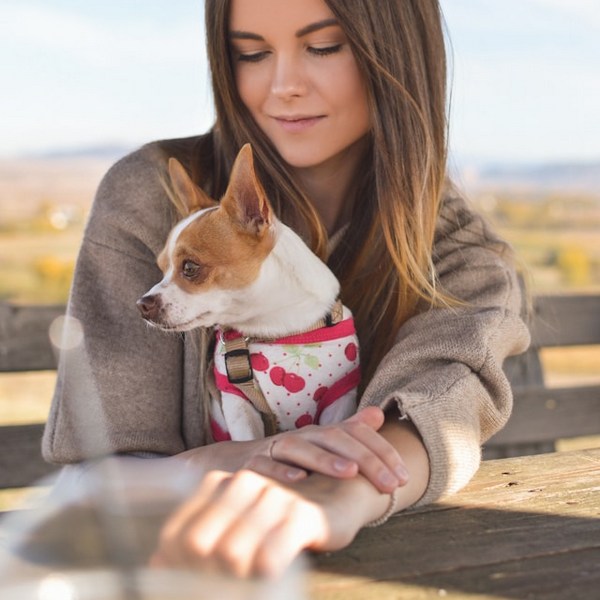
pixel 316 27
pixel 245 35
pixel 248 35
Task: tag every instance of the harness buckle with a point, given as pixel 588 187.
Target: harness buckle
pixel 238 366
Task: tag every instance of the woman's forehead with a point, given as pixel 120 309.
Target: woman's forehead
pixel 294 15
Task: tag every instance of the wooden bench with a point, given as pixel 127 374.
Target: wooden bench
pixel 540 416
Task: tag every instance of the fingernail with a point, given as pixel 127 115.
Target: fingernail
pixel 341 464
pixel 401 472
pixel 295 474
pixel 387 478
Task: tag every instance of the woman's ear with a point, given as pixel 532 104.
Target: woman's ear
pixel 187 196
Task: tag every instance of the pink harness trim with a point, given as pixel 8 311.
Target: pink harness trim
pixel 342 329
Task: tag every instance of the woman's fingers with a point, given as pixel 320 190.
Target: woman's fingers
pixel 242 545
pixel 229 522
pixel 372 416
pixel 376 458
pixel 268 466
pixel 340 451
pixel 305 526
pixel 192 531
pixel 173 548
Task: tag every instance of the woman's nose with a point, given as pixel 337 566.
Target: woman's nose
pixel 289 80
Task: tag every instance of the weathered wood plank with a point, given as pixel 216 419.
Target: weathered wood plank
pixel 523 527
pixel 572 320
pixel 537 578
pixel 24 342
pixel 541 414
pixel 21 461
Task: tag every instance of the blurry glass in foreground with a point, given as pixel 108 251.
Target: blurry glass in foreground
pixel 91 538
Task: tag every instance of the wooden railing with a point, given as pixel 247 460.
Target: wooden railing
pixel 24 346
pixel 540 416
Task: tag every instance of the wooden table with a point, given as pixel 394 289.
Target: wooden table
pixel 524 528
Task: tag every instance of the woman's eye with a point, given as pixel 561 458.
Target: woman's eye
pixel 252 57
pixel 190 269
pixel 324 50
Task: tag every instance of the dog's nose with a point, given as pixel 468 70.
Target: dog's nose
pixel 149 306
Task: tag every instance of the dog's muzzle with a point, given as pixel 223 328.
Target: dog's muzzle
pixel 150 307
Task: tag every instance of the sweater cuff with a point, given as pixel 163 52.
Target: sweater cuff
pixel 454 453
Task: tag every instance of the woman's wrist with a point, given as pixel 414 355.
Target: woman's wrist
pixel 358 499
pixel 349 504
pixel 391 509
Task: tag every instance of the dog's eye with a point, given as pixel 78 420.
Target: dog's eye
pixel 190 269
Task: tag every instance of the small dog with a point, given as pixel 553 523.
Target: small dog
pixel 286 351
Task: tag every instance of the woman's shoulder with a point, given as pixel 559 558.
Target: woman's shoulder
pixel 131 200
pixel 137 179
pixel 144 166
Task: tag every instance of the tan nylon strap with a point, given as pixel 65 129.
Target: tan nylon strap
pixel 239 372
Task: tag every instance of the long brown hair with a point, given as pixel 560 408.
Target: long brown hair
pixel 384 261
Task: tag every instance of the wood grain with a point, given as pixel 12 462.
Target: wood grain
pixel 566 320
pixel 525 527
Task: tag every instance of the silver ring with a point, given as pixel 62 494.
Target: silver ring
pixel 271 446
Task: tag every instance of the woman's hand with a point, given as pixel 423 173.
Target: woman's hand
pixel 342 451
pixel 249 524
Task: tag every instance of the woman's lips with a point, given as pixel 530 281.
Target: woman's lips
pixel 297 124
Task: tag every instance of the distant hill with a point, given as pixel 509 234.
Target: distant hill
pixel 110 152
pixel 70 176
pixel 568 176
pixel 29 184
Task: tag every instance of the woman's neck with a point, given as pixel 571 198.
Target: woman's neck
pixel 330 186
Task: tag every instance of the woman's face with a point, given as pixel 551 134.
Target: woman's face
pixel 297 76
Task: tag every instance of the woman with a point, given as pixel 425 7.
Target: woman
pixel 344 104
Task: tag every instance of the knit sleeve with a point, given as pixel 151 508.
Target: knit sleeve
pixel 119 383
pixel 445 370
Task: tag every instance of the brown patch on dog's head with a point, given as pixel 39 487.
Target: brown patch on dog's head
pixel 225 247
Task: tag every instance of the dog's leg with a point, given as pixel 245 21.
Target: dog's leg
pixel 243 420
pixel 342 408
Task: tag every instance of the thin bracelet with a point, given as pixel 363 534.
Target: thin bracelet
pixel 391 509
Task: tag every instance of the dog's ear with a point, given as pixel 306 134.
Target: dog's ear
pixel 187 196
pixel 245 199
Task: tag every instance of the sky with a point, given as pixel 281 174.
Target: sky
pixel 79 73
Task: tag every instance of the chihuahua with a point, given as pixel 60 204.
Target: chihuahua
pixel 286 351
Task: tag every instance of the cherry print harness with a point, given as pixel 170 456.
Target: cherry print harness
pixel 290 382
